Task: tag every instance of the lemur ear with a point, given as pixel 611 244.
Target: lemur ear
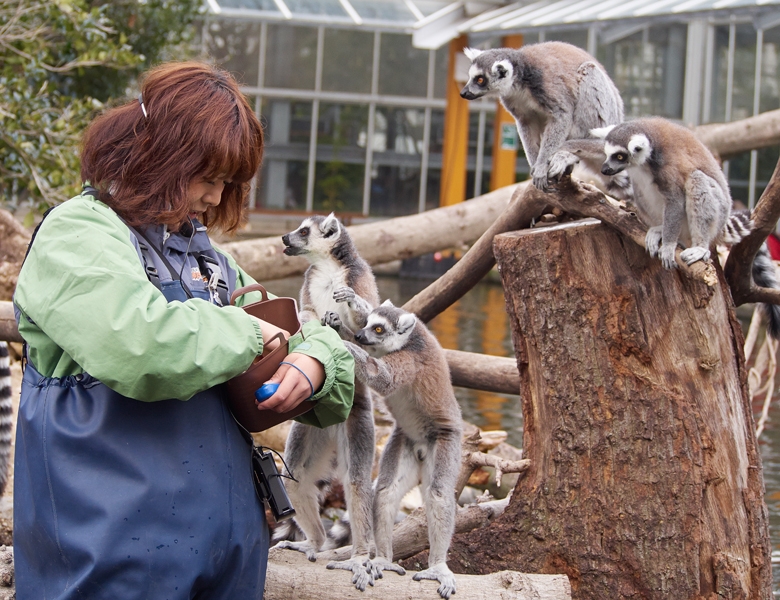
pixel 386 303
pixel 472 53
pixel 502 68
pixel 406 322
pixel 638 143
pixel 601 132
pixel 330 225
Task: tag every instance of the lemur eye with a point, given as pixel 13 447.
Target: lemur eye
pixel 379 329
pixel 304 232
pixel 479 80
pixel 620 157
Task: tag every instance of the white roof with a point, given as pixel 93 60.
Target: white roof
pixel 435 22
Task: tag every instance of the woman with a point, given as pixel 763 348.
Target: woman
pixel 132 479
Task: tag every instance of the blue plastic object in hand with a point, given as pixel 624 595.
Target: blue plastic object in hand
pixel 265 391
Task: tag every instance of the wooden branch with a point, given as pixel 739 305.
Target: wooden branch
pixel 482 372
pixel 739 264
pixel 291 577
pixel 501 465
pixel 410 536
pixel 476 263
pixel 727 139
pixel 384 241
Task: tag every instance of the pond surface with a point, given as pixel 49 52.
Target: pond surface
pixel 478 322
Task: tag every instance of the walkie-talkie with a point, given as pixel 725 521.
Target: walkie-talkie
pixel 269 485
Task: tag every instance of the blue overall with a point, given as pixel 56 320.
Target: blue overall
pixel 119 499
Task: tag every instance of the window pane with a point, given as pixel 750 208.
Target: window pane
pixel 403 69
pixel 648 68
pixel 398 145
pixel 235 47
pixel 719 74
pixel 341 157
pixel 347 60
pixel 770 71
pixel 291 57
pixel 744 73
pixel 440 72
pixel 739 177
pixel 285 166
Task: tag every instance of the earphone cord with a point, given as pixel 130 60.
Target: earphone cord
pixel 187 251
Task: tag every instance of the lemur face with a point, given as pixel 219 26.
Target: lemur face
pixel 621 155
pixel 490 76
pixel 315 236
pixel 387 330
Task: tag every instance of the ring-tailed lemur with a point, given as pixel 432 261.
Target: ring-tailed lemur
pixel 346 450
pixel 555 92
pixel 399 357
pixel 6 410
pixel 679 192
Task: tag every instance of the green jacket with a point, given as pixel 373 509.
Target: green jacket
pixel 86 305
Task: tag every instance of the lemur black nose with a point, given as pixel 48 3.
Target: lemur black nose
pixel 361 337
pixel 466 94
pixel 605 170
pixel 286 239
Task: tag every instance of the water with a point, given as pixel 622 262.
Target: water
pixel 478 323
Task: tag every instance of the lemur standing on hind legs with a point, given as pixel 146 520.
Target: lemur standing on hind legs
pixel 399 357
pixel 345 450
pixel 555 92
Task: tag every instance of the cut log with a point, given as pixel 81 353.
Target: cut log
pixel 483 372
pixel 645 477
pixel 384 241
pixel 291 577
pixel 727 139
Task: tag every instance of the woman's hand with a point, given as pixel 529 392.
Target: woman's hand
pixel 294 387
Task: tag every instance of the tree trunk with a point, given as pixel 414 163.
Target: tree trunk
pixel 292 577
pixel 645 478
pixel 727 139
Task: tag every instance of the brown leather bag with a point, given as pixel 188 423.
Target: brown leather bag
pixel 282 312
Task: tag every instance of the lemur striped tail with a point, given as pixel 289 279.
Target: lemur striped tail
pixel 6 409
pixel 737 228
pixel 765 275
pixel 763 271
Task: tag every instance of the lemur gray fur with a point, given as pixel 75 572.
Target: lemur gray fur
pixel 555 92
pixel 398 357
pixel 679 192
pixel 6 411
pixel 345 450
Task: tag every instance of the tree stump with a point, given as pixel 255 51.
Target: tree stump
pixel 645 477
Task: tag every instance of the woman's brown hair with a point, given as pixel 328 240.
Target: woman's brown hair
pixel 196 124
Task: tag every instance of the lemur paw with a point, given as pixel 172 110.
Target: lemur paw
pixel 667 256
pixel 305 546
pixel 443 575
pixel 653 241
pixel 539 175
pixel 691 255
pixel 344 294
pixel 561 164
pixel 377 565
pixel 332 319
pixel 362 574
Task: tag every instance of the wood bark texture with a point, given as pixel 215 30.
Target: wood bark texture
pixel 291 577
pixel 645 478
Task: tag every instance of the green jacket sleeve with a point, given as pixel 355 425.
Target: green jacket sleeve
pixel 334 399
pixel 87 305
